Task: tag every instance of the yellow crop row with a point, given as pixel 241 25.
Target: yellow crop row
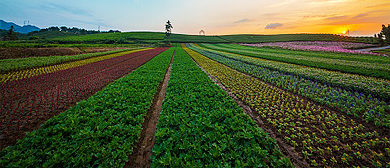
pixel 53 68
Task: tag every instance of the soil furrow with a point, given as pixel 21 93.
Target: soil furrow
pixel 143 151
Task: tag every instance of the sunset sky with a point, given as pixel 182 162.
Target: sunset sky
pixel 361 17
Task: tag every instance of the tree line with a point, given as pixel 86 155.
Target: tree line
pixel 384 35
pixel 73 30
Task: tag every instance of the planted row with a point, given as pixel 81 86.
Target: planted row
pixel 16 75
pixel 201 126
pixel 101 131
pixel 328 46
pixel 369 85
pixel 28 102
pixel 314 54
pixel 320 136
pixel 379 68
pixel 357 104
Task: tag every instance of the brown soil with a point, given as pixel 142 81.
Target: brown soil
pixel 11 53
pixel 288 151
pixel 143 151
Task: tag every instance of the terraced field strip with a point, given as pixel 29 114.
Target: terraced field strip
pixel 17 75
pixel 98 132
pixel 28 102
pixel 367 105
pixel 374 66
pixel 201 126
pixel 323 137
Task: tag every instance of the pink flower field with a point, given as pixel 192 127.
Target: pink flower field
pixel 329 46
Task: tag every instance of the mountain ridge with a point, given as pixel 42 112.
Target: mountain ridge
pixel 20 29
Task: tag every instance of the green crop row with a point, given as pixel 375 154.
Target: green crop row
pixel 323 138
pixel 101 131
pixel 374 69
pixel 201 126
pixel 7 65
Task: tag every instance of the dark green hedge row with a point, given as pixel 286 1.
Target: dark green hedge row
pixel 101 131
pixel 201 126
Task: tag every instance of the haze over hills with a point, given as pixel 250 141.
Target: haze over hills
pixel 20 29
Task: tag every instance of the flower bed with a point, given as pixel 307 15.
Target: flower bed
pixel 329 46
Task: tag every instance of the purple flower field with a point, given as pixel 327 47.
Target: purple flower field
pixel 330 46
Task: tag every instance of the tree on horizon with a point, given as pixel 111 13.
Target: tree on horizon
pixel 11 35
pixel 168 28
pixel 384 35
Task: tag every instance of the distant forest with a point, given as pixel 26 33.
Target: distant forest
pixel 73 30
pixel 54 31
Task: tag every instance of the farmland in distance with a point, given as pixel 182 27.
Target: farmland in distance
pixel 147 99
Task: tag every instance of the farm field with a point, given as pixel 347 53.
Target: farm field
pixel 368 65
pixel 134 39
pixel 27 102
pixel 224 104
pixel 7 53
pixel 18 65
pixel 199 122
pixel 321 136
pixel 99 131
pixel 372 106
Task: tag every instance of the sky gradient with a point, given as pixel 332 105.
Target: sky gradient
pixel 215 17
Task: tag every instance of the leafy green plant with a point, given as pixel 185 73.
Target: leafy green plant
pixel 201 126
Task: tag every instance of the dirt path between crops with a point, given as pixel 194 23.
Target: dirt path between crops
pixel 288 151
pixel 143 151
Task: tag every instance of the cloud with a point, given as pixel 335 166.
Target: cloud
pixel 67 9
pixel 360 15
pixel 273 26
pixel 286 2
pixel 336 17
pixel 242 21
pixel 271 14
pixel 326 2
pixel 379 5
